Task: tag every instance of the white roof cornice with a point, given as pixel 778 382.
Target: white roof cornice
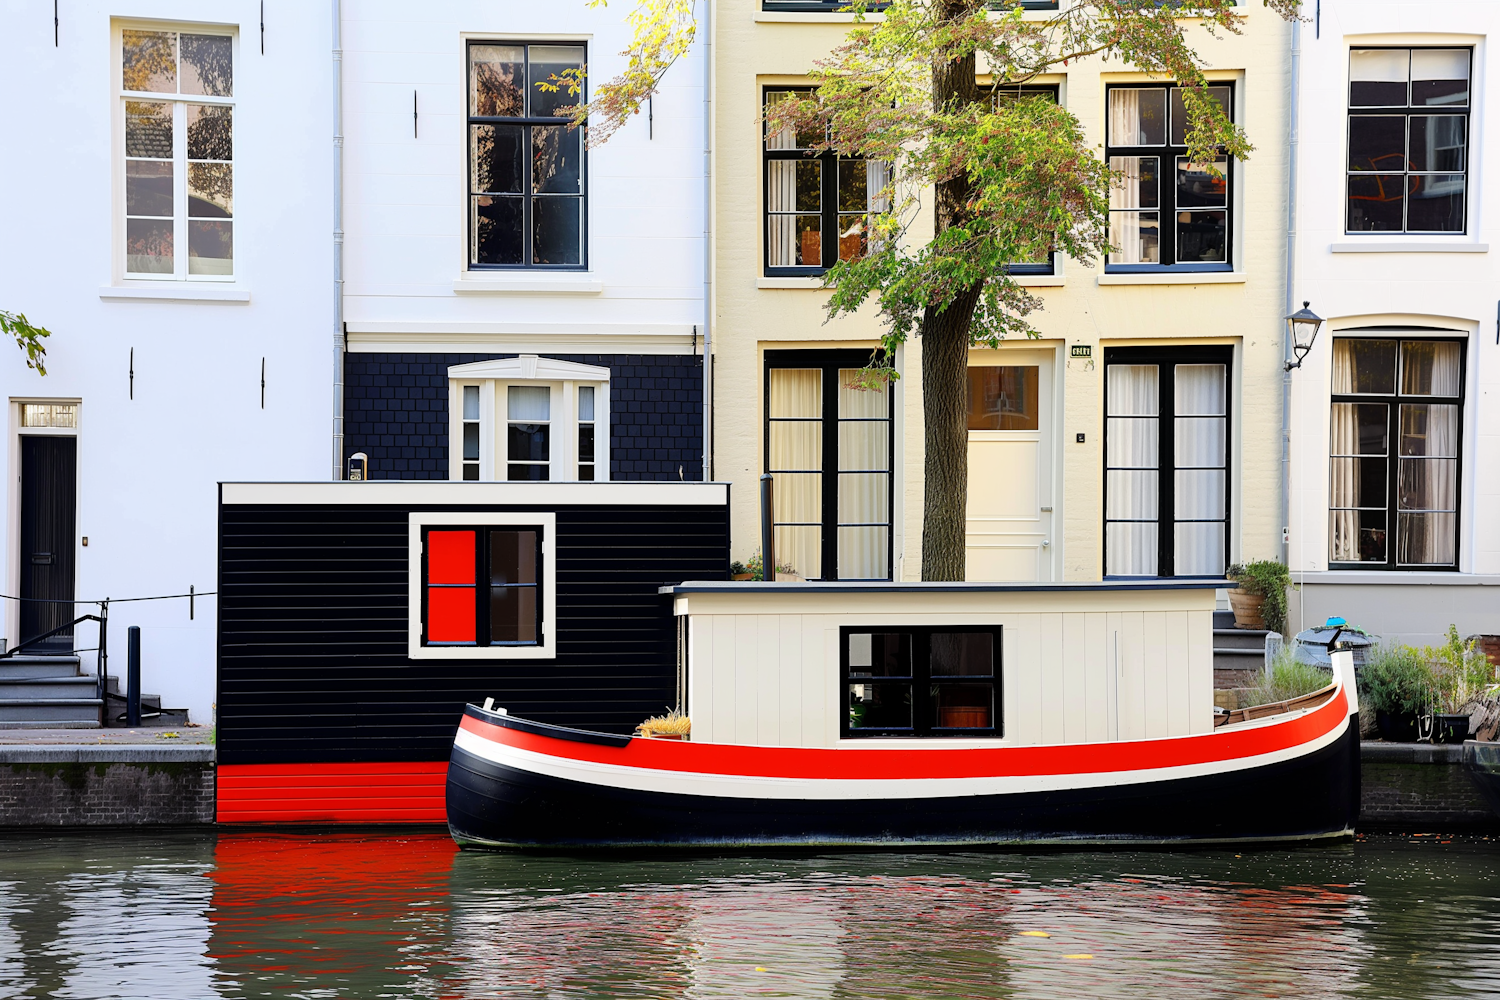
pixel 531 366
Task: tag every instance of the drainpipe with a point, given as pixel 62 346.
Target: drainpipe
pixel 708 253
pixel 1291 292
pixel 338 243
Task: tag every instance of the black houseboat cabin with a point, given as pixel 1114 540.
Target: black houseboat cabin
pixel 356 619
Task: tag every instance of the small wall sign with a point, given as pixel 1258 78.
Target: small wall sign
pixel 1081 351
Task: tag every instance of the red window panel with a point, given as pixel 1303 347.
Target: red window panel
pixel 450 614
pixel 450 557
pixel 451 580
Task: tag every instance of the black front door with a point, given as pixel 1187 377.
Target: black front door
pixel 49 483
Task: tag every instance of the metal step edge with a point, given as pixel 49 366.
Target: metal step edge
pixel 49 724
pixel 1231 651
pixel 55 702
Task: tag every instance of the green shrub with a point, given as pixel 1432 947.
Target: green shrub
pixel 1398 679
pixel 1269 579
pixel 1460 672
pixel 1288 678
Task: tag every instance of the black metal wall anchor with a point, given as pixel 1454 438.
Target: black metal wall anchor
pixel 262 383
pixel 132 373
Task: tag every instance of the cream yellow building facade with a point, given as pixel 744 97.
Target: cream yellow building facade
pixel 1140 368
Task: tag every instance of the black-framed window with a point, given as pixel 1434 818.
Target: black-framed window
pixel 482 586
pixel 1408 140
pixel 1165 211
pixel 527 168
pixel 931 681
pixel 1166 461
pixel 829 448
pixel 817 207
pixel 1016 93
pixel 1395 441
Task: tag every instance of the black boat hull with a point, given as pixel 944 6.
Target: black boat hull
pixel 1310 796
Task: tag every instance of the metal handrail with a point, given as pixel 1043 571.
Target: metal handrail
pixel 101 661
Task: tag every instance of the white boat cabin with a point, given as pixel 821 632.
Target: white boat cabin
pixel 841 664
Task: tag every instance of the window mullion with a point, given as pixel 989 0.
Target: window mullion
pixel 179 191
pixel 1392 471
pixel 828 241
pixel 1166 471
pixel 830 512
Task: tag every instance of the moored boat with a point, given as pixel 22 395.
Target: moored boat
pixel 1482 761
pixel 966 764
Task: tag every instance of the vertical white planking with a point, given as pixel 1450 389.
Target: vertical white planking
pixel 746 697
pixel 1154 673
pixel 821 641
pixel 1023 679
pixel 1050 660
pixel 700 689
pixel 726 679
pixel 765 666
pixel 1132 682
pixel 1200 668
pixel 789 685
pixel 1097 667
pixel 1074 676
pixel 1177 672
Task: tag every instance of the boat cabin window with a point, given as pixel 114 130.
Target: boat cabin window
pixel 481 589
pixel 938 681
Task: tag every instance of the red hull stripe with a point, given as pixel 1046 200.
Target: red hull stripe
pixel 411 792
pixel 932 760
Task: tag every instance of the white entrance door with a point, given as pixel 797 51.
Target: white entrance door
pixel 1011 513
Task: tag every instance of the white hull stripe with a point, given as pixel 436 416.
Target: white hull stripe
pixel 756 787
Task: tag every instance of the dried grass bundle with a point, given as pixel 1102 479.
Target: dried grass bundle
pixel 674 723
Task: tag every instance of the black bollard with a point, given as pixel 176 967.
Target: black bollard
pixel 767 528
pixel 133 676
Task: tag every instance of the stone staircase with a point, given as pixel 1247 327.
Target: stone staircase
pixel 1239 653
pixel 53 692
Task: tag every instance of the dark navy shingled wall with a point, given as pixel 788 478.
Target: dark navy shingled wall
pixel 396 412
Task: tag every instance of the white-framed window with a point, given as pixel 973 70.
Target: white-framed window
pixel 481 585
pixel 174 94
pixel 528 419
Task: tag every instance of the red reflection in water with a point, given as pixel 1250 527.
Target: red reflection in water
pixel 328 908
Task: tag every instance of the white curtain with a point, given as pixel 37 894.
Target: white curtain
pixel 1429 483
pixel 1430 368
pixel 864 496
pixel 1200 394
pixel 781 196
pixel 1133 233
pixel 1132 397
pixel 1125 117
pixel 1343 480
pixel 796 461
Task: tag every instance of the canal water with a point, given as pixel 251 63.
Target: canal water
pixel 197 916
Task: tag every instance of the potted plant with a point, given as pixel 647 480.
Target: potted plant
pixel 1399 683
pixel 672 726
pixel 1460 674
pixel 1259 601
pixel 739 571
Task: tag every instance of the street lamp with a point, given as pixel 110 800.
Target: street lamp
pixel 1303 326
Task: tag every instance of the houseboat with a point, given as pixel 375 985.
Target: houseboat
pixel 875 714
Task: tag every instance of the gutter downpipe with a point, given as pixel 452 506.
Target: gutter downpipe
pixel 1291 274
pixel 338 243
pixel 708 252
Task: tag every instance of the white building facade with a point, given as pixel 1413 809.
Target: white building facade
pixel 517 306
pixel 175 235
pixel 1395 426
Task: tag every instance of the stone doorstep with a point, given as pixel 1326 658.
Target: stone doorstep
pixel 93 753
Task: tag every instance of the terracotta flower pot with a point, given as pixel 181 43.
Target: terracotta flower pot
pixel 1247 609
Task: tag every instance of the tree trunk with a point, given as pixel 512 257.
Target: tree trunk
pixel 945 357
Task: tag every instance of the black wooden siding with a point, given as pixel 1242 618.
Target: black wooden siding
pixel 313 631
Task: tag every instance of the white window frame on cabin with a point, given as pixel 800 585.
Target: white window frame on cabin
pixel 178 102
pixel 491 380
pixel 546 649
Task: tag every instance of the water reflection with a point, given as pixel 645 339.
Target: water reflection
pixel 360 915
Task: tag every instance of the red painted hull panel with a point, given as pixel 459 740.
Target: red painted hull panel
pixel 315 794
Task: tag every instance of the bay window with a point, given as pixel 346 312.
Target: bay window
pixel 1395 430
pixel 176 91
pixel 528 419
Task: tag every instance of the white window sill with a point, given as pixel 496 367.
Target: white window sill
pixel 1038 280
pixel 1176 278
pixel 570 283
pixel 801 281
pixel 1394 578
pixel 1388 246
pixel 809 17
pixel 175 291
